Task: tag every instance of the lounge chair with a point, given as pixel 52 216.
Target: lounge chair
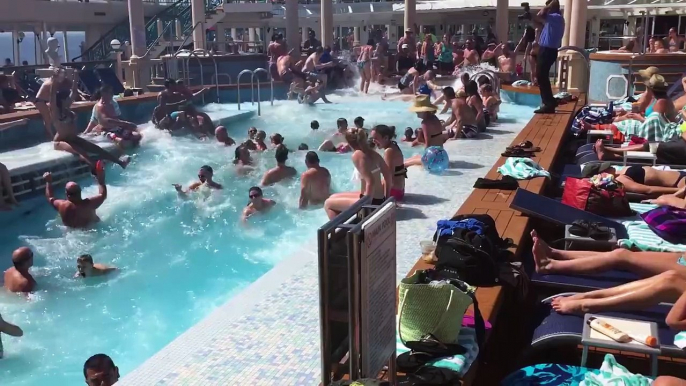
pixel 109 77
pixel 555 329
pixel 549 209
pixel 91 83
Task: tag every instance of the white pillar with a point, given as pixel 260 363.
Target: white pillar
pixel 364 35
pixel 44 43
pixel 198 13
pixel 326 34
pixel 502 23
pixel 356 36
pixel 137 27
pixel 577 30
pixel 234 34
pixel 410 14
pixel 595 32
pixel 160 28
pixel 66 46
pixel 221 37
pixel 15 45
pixel 251 35
pixel 179 29
pixel 568 22
pixel 292 38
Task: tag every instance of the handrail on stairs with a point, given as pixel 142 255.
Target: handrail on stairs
pixel 495 81
pixel 584 54
pixel 185 40
pixel 257 70
pixel 216 70
pixel 160 35
pixel 186 73
pixel 238 86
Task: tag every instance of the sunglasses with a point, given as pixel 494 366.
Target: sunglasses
pixel 255 195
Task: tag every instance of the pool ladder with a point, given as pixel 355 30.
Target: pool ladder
pixel 252 87
pixel 491 75
pixel 185 68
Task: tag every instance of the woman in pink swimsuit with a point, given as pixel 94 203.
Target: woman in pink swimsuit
pixel 383 137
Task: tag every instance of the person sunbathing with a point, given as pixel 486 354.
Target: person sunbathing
pixel 664 277
pixel 640 179
pixel 672 152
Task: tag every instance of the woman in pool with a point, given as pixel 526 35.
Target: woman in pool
pixel 432 128
pixel 383 137
pixel 67 138
pixel 477 104
pixel 242 160
pixel 259 140
pixel 369 167
pixel 364 64
pixel 640 179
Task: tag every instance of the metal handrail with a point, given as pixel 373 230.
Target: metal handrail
pixel 216 69
pixel 584 54
pixel 238 86
pixel 183 43
pixel 154 43
pixel 495 81
pixel 186 70
pixel 257 70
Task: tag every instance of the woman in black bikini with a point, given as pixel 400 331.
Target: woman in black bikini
pixel 477 104
pixel 641 179
pixel 383 137
pixel 67 138
pixel 369 167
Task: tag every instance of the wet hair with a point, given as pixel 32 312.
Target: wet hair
pixel 207 168
pixel 303 146
pixel 449 92
pixel 311 157
pixel 255 189
pixel 341 121
pixel 463 77
pixel 281 155
pixel 261 134
pixel 471 88
pixel 356 137
pixel 85 258
pixel 237 154
pixel 359 121
pixel 98 362
pixel 409 132
pixel 385 131
pixel 277 138
pixel 314 125
pixel 168 83
pixel 370 42
pixel 483 80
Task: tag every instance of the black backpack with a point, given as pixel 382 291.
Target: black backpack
pixel 472 257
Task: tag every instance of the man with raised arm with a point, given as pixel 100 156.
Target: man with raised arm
pixel 75 211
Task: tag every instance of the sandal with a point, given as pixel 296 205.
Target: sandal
pixel 526 146
pixel 599 232
pixel 517 152
pixel 580 228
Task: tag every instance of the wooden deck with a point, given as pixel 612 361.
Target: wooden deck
pixel 547 132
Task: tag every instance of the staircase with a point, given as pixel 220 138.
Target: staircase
pixel 180 10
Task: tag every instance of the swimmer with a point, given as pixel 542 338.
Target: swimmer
pixel 337 141
pixel 314 125
pixel 242 159
pixel 277 141
pixel 409 135
pixel 281 171
pixel 9 329
pixel 359 123
pixel 315 182
pixel 222 136
pixel 313 93
pixel 85 267
pixel 249 145
pixel 75 211
pixel 259 140
pixel 204 179
pixel 257 204
pixel 462 121
pixel 491 101
pixel 18 278
pixel 303 146
pixel 99 370
pixel 252 132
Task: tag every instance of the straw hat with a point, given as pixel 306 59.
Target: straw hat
pixel 648 72
pixel 657 82
pixel 422 104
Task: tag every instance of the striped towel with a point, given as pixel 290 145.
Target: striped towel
pixel 458 363
pixel 655 128
pixel 522 168
pixel 613 374
pixel 641 237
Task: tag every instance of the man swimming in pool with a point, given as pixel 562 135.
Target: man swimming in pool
pixel 337 141
pixel 204 179
pixel 75 211
pixel 315 182
pixel 85 267
pixel 281 171
pixel 18 278
pixel 313 93
pixel 222 136
pixel 314 125
pixel 257 204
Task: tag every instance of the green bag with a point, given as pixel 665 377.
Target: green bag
pixel 431 309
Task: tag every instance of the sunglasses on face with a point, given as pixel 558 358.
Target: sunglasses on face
pixel 255 195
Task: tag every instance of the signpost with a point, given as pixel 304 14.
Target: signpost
pixel 357 280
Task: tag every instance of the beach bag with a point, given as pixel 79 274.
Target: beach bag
pixel 582 194
pixel 430 305
pixel 667 222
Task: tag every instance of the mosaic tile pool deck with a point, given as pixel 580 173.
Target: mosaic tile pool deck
pixel 269 333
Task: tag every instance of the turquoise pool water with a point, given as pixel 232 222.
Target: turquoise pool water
pixel 178 259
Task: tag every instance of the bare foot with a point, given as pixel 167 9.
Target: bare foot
pixel 566 305
pixel 599 149
pixel 541 252
pixel 124 161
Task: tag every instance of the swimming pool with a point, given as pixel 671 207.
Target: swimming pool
pixel 179 259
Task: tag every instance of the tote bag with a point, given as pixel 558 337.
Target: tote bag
pixel 582 194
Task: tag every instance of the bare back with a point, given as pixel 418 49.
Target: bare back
pixel 75 215
pixel 318 184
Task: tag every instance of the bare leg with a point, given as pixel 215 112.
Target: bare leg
pixel 667 287
pixel 83 146
pixel 339 202
pixel 542 248
pixel 414 161
pixel 669 381
pixel 84 156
